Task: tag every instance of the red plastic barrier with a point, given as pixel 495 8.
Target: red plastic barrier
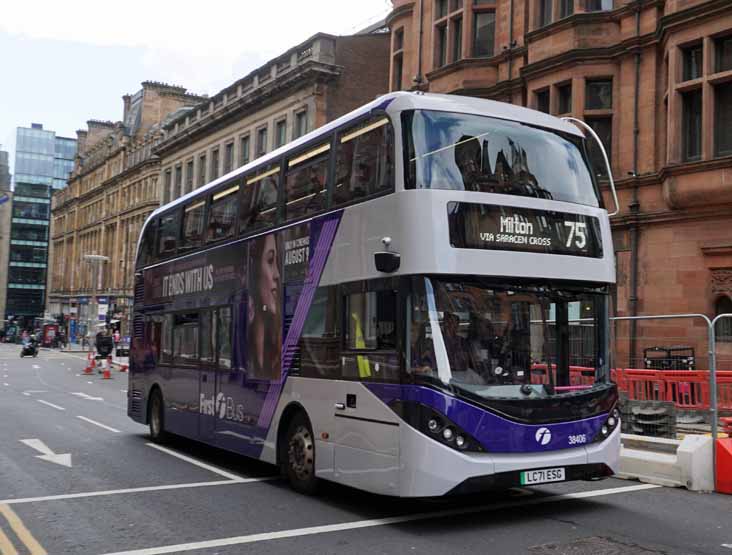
pixel 688 390
pixel 724 466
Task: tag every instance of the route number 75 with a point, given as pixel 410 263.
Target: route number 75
pixel 577 233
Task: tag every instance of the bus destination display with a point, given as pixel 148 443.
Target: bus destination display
pixel 485 226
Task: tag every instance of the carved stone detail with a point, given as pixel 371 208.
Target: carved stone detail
pixel 722 281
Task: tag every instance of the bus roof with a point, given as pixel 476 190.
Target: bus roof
pixel 395 101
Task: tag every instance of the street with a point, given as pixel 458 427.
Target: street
pixel 77 476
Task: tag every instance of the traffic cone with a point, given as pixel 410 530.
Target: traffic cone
pixel 89 367
pixel 123 368
pixel 106 374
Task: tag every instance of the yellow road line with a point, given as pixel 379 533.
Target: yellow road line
pixel 6 546
pixel 21 531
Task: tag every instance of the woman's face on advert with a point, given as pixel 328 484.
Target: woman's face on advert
pixel 269 276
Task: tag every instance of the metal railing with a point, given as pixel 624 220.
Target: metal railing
pixel 712 344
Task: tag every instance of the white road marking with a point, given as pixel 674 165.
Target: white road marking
pixel 50 404
pixel 727 545
pixel 36 367
pixel 370 523
pixel 32 391
pixel 198 463
pixel 123 390
pixel 48 455
pixel 86 396
pixel 90 383
pixel 6 384
pixel 99 424
pixel 103 493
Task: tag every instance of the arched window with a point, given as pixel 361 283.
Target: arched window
pixel 724 326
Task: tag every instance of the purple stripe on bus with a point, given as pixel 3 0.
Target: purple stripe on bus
pixel 495 433
pixel 317 264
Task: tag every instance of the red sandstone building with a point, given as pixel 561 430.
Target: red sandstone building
pixel 654 79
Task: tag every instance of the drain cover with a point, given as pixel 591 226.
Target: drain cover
pixel 592 546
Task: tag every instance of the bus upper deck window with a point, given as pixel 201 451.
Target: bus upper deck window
pixel 168 235
pixel 258 204
pixel 222 216
pixel 364 161
pixel 306 182
pixel 193 225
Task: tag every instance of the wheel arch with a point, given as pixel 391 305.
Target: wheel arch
pixel 153 388
pixel 291 410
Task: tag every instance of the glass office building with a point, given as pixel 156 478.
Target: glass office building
pixel 43 162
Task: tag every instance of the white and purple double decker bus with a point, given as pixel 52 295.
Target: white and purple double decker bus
pixel 411 300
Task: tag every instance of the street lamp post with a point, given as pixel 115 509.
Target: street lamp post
pixel 96 261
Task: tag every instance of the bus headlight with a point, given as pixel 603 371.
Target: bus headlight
pixel 612 421
pixel 436 426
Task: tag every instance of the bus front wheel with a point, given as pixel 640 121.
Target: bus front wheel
pixel 301 456
pixel 157 417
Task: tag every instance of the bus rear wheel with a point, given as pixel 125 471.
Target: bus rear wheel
pixel 156 418
pixel 300 456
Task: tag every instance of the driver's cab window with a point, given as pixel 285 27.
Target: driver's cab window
pixel 370 338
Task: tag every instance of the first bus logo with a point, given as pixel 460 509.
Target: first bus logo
pixel 543 436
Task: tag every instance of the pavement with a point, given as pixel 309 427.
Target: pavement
pixel 77 476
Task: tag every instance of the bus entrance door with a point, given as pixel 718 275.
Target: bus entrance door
pixel 366 430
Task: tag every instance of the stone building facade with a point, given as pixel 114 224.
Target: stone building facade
pixel 6 204
pixel 307 86
pixel 654 79
pixel 111 191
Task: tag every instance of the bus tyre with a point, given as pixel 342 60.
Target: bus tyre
pixel 300 456
pixel 156 418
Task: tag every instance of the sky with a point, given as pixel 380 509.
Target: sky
pixel 64 63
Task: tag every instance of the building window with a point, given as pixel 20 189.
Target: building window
pixel 723 119
pixel 440 8
pixel 178 182
pixel 280 133
pixel 693 58
pixel 398 59
pixel 724 325
pixel 228 157
pixel 261 141
pixel 566 8
pixel 398 71
pixel 723 50
pixel 167 181
pixel 189 176
pixel 457 38
pixel 441 44
pixel 545 12
pixel 202 170
pixel 244 150
pixel 214 163
pixel 484 32
pixel 564 104
pixel 542 100
pixel 603 126
pixel 599 94
pixel 598 5
pixel 301 123
pixel 398 39
pixel 692 125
